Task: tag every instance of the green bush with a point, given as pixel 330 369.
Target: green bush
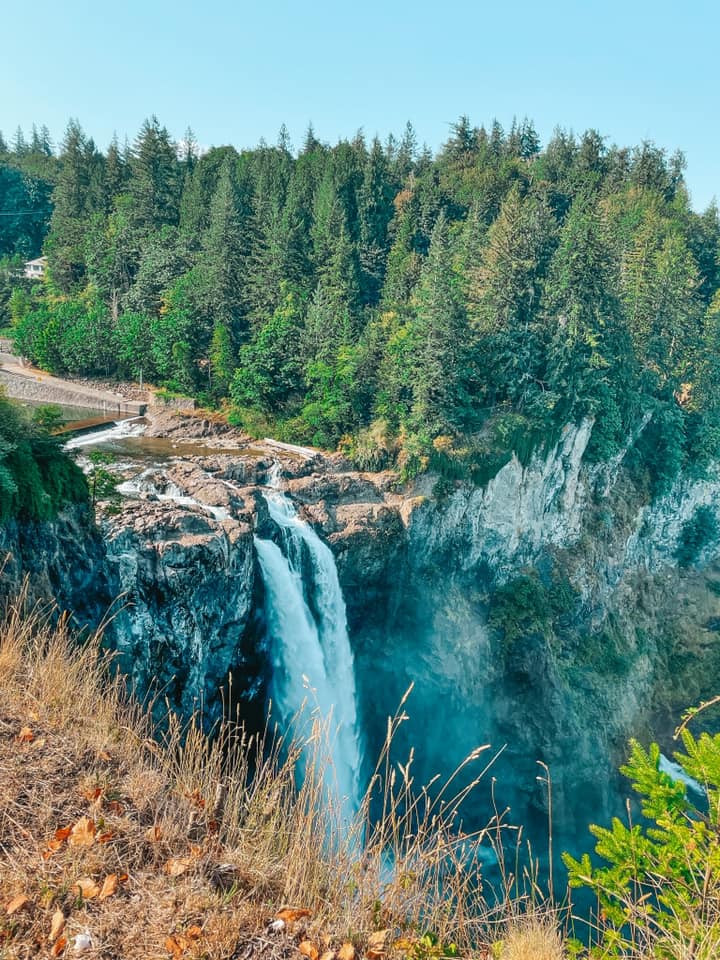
pixel 697 533
pixel 659 886
pixel 520 607
pixel 36 477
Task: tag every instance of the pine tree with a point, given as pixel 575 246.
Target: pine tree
pixel 224 257
pixel 441 376
pixel 155 183
pixel 66 243
pixel 375 210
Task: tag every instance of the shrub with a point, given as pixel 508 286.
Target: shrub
pixel 519 607
pixel 697 533
pixel 659 888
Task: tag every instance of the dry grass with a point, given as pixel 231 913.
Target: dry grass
pixel 207 839
pixel 535 938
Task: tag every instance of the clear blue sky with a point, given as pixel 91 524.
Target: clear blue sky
pixel 235 71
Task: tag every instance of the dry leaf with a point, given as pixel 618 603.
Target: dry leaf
pixel 308 949
pixel 105 837
pixel 123 878
pixel 346 951
pixel 109 886
pixel 196 799
pixel 376 945
pixel 57 925
pixel 328 955
pixel 62 834
pixel 87 887
pixel 194 932
pixel 153 834
pixel 93 794
pixel 58 947
pixel 176 945
pixel 114 806
pixel 26 735
pixel 177 865
pixel 83 833
pixel 17 903
pixel 290 916
pixel 103 755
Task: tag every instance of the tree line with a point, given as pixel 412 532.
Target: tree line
pixel 418 308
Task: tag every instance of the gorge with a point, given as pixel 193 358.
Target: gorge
pixel 546 613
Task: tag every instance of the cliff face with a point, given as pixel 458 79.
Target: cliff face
pixel 63 560
pixel 546 613
pixel 185 570
pixel 618 640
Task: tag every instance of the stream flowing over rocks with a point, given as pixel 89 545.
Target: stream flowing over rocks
pixel 272 565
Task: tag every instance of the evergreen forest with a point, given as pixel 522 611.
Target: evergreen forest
pixel 415 309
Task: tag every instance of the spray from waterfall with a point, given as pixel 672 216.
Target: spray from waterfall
pixel 307 627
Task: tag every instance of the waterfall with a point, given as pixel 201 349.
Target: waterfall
pixel 132 427
pixel 307 628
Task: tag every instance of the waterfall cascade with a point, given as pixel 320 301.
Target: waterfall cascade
pixel 308 633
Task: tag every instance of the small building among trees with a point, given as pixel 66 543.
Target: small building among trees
pixel 35 269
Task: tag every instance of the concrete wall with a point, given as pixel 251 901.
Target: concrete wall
pixel 44 391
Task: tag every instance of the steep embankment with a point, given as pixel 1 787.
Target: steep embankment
pixel 63 559
pixel 547 611
pixel 555 611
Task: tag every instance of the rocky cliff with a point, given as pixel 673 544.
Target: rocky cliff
pixel 548 613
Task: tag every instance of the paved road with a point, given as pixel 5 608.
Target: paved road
pixel 24 382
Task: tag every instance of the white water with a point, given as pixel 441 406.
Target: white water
pixel 143 483
pixel 310 650
pixel 121 428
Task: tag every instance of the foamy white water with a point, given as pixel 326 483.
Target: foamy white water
pixel 310 645
pixel 143 483
pixel 121 428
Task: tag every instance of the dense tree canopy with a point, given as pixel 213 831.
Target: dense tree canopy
pixel 432 309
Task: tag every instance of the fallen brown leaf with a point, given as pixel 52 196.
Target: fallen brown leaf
pixel 194 932
pixel 290 916
pixel 153 834
pixel 58 947
pixel 346 951
pixel 176 866
pixel 176 945
pixel 20 902
pixel 83 833
pixel 25 736
pixel 93 794
pixel 109 887
pixel 103 755
pixel 87 887
pixel 63 833
pixel 57 925
pixel 376 945
pixel 105 837
pixel 328 955
pixel 308 949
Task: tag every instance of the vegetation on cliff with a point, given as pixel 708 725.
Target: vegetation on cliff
pixel 438 310
pixel 36 477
